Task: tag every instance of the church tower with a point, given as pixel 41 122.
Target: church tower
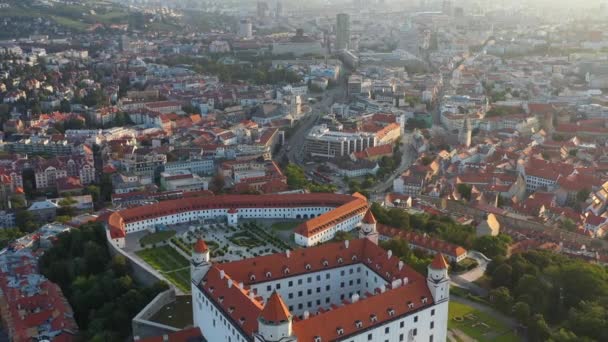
pixel 466 132
pixel 275 322
pixel 200 263
pixel 368 227
pixel 438 280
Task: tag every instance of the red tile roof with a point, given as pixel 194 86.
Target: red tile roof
pixel 369 217
pixel 275 310
pixel 422 241
pixel 222 284
pixel 345 205
pixel 186 335
pixel 200 246
pixel 439 262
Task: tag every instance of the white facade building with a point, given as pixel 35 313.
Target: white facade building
pixel 347 291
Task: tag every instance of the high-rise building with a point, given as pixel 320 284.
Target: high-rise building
pixel 263 10
pixel 278 10
pixel 245 29
pixel 466 132
pixel 342 31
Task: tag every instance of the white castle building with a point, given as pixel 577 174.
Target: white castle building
pixel 326 214
pixel 345 291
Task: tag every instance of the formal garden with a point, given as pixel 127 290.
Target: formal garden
pixel 170 263
pixel 168 251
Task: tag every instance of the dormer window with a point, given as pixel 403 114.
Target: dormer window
pixel 286 270
pixel 391 311
pixel 231 309
pixel 424 300
pixel 340 331
pixel 268 274
pixel 242 320
pixel 340 260
pixel 354 258
pixel 317 339
pixel 358 324
pixel 221 299
pixel 252 277
pixel 308 267
pixel 410 305
pixel 325 263
pixel 373 318
pixel 211 289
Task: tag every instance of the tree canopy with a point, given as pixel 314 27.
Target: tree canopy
pixel 545 289
pixel 99 287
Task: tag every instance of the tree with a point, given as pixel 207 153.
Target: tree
pixel 26 221
pixel 502 275
pixel 538 330
pixel 464 190
pixel 582 195
pixel 65 106
pixel 501 298
pixel 521 311
pixel 94 191
pixel 492 246
pixel 217 183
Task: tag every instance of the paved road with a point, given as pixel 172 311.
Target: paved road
pixel 466 280
pixel 408 157
pixel 297 139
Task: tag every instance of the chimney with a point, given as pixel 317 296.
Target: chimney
pixel 251 296
pixel 406 280
pixel 382 288
pixel 241 285
pixel 136 338
pixel 165 338
pixel 354 298
pixel 306 314
pixel 222 274
pixel 229 283
pixel 288 253
pixel 389 253
pixel 400 265
pixel 346 242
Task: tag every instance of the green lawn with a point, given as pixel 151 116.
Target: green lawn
pixel 478 325
pixel 287 225
pixel 170 263
pixel 156 237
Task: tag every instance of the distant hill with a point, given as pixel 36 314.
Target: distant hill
pixel 77 15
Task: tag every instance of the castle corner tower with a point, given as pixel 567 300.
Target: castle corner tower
pixel 368 227
pixel 275 322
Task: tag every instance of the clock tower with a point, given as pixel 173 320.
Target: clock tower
pixel 438 280
pixel 368 227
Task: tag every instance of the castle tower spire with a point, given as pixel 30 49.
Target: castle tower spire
pixel 275 321
pixel 200 262
pixel 368 227
pixel 438 280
